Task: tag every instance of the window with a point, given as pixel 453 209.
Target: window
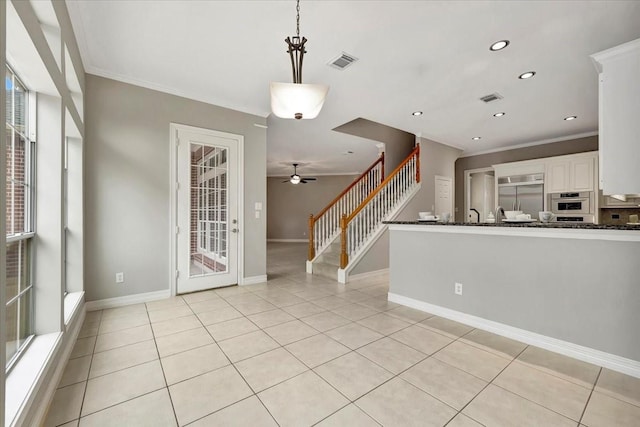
pixel 209 209
pixel 19 218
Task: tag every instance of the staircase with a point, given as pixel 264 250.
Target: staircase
pixel 342 233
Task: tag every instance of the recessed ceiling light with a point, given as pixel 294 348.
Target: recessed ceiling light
pixel 416 113
pixel 499 114
pixel 527 75
pixel 571 118
pixel 476 138
pixel 499 45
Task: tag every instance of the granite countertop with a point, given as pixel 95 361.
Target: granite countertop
pixel 536 224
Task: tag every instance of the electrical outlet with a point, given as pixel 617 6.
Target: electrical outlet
pixel 458 288
pixel 119 277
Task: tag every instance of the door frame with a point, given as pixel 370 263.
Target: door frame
pixel 467 188
pixel 173 190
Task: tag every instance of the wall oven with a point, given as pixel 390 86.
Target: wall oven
pixel 580 219
pixel 572 203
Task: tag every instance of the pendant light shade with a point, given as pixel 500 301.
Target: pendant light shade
pixel 297 100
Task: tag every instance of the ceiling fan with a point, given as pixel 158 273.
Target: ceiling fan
pixel 297 179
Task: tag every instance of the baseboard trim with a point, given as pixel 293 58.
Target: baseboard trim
pixel 586 354
pixel 127 300
pixel 368 274
pixel 288 240
pixel 253 280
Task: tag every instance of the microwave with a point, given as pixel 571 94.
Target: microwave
pixel 571 203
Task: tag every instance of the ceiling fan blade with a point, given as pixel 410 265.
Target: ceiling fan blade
pixel 286 180
pixel 311 179
pixel 303 181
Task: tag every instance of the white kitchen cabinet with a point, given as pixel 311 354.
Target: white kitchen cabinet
pixel 619 126
pixel 557 179
pixel 581 174
pixel 572 173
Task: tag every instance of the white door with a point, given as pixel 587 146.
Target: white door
pixel 206 209
pixel 444 195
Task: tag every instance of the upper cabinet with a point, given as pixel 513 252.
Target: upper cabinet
pixel 572 173
pixel 619 123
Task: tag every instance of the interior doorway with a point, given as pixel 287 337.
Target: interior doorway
pixel 479 194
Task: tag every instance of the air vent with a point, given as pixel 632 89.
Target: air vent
pixel 343 61
pixel 491 97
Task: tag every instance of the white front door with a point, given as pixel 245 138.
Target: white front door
pixel 207 209
pixel 444 195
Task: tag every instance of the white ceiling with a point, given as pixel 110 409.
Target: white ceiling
pixel 431 56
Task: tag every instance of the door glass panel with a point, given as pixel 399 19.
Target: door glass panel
pixel 209 203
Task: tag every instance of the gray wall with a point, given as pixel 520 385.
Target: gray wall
pixel 561 148
pixel 289 205
pixel 398 143
pixel 581 291
pixel 127 184
pixel 435 159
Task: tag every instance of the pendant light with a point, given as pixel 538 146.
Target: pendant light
pixel 297 100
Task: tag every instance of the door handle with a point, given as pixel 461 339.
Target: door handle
pixel 234 230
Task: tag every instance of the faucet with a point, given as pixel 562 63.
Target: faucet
pixel 499 214
pixel 477 213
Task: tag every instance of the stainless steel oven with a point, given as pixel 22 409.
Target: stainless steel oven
pixel 580 219
pixel 562 204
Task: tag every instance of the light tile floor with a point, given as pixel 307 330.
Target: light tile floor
pixel 301 350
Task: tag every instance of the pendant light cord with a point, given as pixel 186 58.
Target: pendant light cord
pixel 298 18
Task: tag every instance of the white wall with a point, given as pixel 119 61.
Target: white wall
pixel 128 190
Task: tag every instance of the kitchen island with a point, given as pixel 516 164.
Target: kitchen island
pixel 570 288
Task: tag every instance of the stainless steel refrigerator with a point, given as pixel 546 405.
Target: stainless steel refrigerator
pixel 522 193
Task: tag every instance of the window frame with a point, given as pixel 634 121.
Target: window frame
pixel 29 228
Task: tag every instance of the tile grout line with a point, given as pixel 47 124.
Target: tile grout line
pixel 241 376
pixel 135 397
pixel 584 410
pixel 304 286
pixel 427 356
pixel 164 376
pixel 238 372
pixel 487 385
pixel 86 382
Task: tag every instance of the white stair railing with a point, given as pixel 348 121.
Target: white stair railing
pixel 325 226
pixel 362 222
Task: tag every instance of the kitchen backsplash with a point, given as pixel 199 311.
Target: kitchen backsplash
pixel 607 216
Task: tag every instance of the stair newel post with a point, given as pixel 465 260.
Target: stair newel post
pixel 418 164
pixel 312 248
pixel 382 167
pixel 344 258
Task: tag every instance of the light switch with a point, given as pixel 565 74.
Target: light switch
pixel 258 206
pixel 257 214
